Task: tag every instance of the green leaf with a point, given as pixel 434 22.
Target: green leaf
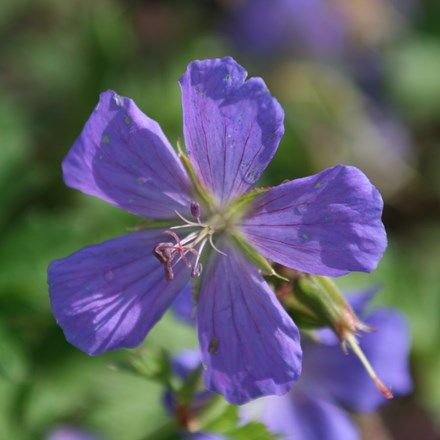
pixel 220 417
pixel 252 430
pixel 151 364
pixel 228 423
pixel 190 386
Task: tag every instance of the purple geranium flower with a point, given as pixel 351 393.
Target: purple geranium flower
pixel 110 295
pixel 333 381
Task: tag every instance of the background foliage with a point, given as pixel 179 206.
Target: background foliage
pixel 57 55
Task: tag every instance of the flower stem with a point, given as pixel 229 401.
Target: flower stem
pixel 354 345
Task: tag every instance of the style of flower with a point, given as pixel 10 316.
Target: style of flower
pixel 109 296
pixel 333 382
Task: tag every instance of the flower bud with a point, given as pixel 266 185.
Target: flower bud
pixel 315 301
pixel 323 296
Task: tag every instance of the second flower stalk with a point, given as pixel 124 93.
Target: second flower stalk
pixel 315 302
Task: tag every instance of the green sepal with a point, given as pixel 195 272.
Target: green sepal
pixel 185 394
pixel 238 206
pixel 320 296
pixel 254 256
pixel 199 189
pixel 305 318
pixel 152 365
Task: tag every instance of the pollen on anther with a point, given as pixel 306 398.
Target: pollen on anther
pixel 195 210
pixel 105 139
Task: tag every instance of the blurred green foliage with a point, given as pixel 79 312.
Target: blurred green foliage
pixel 55 58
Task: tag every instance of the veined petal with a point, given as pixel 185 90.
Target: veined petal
pixel 232 127
pixel 109 295
pixel 343 376
pixel 301 416
pixel 250 346
pixel 183 306
pixel 326 224
pixel 123 157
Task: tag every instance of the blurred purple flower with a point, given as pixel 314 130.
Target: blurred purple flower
pixel 333 382
pixel 268 26
pixel 318 28
pixel 108 296
pixel 71 433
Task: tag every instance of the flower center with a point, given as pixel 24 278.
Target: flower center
pixel 170 253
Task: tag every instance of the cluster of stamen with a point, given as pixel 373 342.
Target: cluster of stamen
pixel 170 253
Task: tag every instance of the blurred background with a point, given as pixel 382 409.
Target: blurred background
pixel 360 84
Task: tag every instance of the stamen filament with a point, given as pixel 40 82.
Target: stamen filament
pixel 189 222
pixel 189 238
pixel 184 226
pixel 211 242
pixel 354 345
pixel 183 257
pixel 170 254
pixel 201 236
pixel 196 272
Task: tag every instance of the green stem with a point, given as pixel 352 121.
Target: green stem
pixel 352 342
